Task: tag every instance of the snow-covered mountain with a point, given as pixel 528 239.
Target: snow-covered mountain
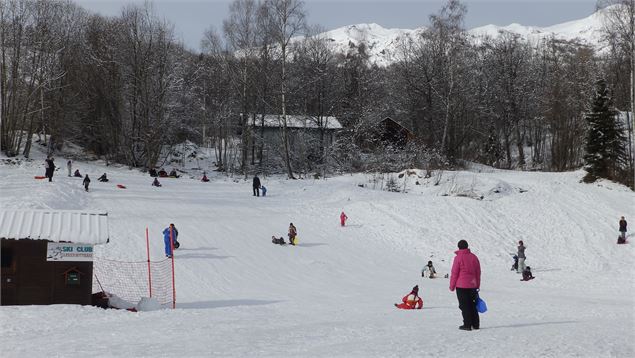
pixel 382 43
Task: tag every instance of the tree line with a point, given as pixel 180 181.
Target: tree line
pixel 125 89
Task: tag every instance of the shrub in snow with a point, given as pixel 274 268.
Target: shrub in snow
pixel 502 188
pixel 391 185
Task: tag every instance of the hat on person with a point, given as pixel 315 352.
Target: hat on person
pixel 462 245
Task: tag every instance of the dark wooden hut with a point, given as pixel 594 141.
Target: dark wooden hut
pixel 394 134
pixel 47 256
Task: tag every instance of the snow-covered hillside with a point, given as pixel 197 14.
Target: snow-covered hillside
pixel 382 43
pixel 332 296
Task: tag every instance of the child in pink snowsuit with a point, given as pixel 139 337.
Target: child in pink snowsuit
pixel 343 218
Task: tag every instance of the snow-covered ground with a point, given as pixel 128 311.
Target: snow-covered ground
pixel 239 295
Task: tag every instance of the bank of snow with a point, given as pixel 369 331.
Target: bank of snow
pixel 239 295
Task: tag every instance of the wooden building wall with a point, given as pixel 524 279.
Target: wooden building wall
pixel 28 279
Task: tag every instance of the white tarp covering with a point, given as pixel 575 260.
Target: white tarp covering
pixel 54 225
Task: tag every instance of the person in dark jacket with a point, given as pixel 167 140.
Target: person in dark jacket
pixel 86 182
pixel 153 172
pixel 169 238
pixel 103 178
pixel 205 179
pixel 277 241
pixel 155 182
pixel 623 224
pixel 466 279
pixel 69 167
pixel 50 167
pixel 521 257
pixel 256 185
pixel 173 174
pixel 515 265
pixel 77 174
pixel 527 274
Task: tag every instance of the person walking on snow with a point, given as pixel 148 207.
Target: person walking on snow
pixel 69 166
pixel 623 224
pixel 86 182
pixel 50 167
pixel 169 238
pixel 521 257
pixel 411 301
pixel 293 232
pixel 343 219
pixel 256 185
pixel 466 280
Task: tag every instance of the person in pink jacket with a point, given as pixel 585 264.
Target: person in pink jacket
pixel 343 218
pixel 466 279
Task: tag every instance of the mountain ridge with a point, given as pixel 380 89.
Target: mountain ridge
pixel 382 43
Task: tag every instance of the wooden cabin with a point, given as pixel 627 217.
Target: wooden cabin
pixel 301 128
pixel 394 134
pixel 47 256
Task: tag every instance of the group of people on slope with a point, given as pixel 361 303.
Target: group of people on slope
pixel 292 234
pixel 465 279
pixel 49 165
pixel 519 262
pixel 257 187
pixel 162 173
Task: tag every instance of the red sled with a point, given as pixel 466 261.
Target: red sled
pixel 39 177
pixel 120 186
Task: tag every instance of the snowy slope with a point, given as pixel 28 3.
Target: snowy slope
pixel 588 30
pixel 383 43
pixel 239 295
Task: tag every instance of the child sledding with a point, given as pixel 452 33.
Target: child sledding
pixel 411 301
pixel 277 241
pixel 432 273
pixel 527 274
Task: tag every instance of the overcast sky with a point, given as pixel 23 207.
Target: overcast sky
pixel 192 17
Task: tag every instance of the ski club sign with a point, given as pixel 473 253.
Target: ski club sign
pixel 56 251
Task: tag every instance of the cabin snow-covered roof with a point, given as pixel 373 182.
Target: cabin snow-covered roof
pixel 296 121
pixel 55 225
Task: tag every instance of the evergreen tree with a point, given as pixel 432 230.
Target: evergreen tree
pixel 605 150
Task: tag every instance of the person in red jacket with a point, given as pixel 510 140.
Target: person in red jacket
pixel 343 219
pixel 466 279
pixel 411 301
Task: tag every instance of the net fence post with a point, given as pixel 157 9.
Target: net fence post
pixel 149 270
pixel 172 251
